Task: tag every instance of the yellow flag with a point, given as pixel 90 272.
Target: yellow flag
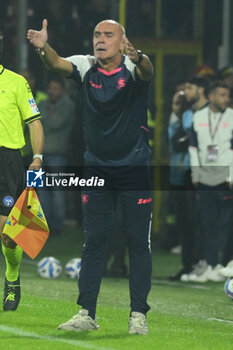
pixel 26 223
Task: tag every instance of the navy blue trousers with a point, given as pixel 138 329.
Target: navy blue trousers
pixel 216 210
pixel 98 211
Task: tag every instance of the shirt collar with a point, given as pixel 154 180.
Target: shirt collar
pixel 1 69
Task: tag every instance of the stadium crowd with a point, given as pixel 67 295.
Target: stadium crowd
pixel 201 142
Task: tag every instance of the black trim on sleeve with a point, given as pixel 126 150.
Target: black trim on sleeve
pixel 31 119
pixel 76 75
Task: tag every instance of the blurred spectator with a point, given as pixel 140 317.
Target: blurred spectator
pixel 192 243
pixel 206 72
pixel 180 85
pixel 195 93
pixel 179 177
pixel 58 115
pixel 172 239
pixel 211 154
pixel 226 75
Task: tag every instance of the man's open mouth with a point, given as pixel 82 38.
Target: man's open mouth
pixel 100 49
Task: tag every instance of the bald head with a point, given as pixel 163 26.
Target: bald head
pixel 111 21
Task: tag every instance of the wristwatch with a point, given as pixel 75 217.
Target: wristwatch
pixel 140 56
pixel 40 51
pixel 40 156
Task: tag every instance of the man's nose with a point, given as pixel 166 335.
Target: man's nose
pixel 101 37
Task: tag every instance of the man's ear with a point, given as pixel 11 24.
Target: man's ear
pixel 123 42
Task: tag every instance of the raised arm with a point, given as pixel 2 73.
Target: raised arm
pixel 48 55
pixel 144 66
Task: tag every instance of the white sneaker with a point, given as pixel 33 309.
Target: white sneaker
pixel 197 270
pixel 227 271
pixel 138 323
pixel 216 276
pixel 210 274
pixel 79 322
pixel 176 250
pixel 184 277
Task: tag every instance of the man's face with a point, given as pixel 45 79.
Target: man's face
pixel 55 91
pixel 108 41
pixel 176 103
pixel 191 92
pixel 220 99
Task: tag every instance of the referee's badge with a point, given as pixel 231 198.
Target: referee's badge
pixel 8 201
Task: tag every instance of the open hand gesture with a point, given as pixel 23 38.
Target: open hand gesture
pixel 38 38
pixel 131 52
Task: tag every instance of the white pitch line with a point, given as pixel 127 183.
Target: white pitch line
pixel 20 332
pixel 220 320
pixel 180 284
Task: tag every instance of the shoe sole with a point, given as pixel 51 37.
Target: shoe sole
pixel 76 329
pixel 138 332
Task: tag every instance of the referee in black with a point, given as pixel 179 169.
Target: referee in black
pixel 17 106
pixel 114 93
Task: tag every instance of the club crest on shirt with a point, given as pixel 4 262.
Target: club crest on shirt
pixel 121 83
pixel 85 198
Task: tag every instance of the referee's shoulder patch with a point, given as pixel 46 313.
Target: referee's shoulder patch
pixel 33 106
pixel 8 201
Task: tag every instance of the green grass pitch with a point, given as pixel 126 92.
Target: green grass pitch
pixel 182 316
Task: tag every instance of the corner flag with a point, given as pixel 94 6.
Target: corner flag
pixel 26 224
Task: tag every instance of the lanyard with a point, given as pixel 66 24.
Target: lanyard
pixel 213 133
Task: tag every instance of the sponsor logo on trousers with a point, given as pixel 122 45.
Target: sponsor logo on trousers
pixel 144 201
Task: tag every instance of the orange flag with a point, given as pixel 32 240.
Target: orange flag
pixel 26 223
